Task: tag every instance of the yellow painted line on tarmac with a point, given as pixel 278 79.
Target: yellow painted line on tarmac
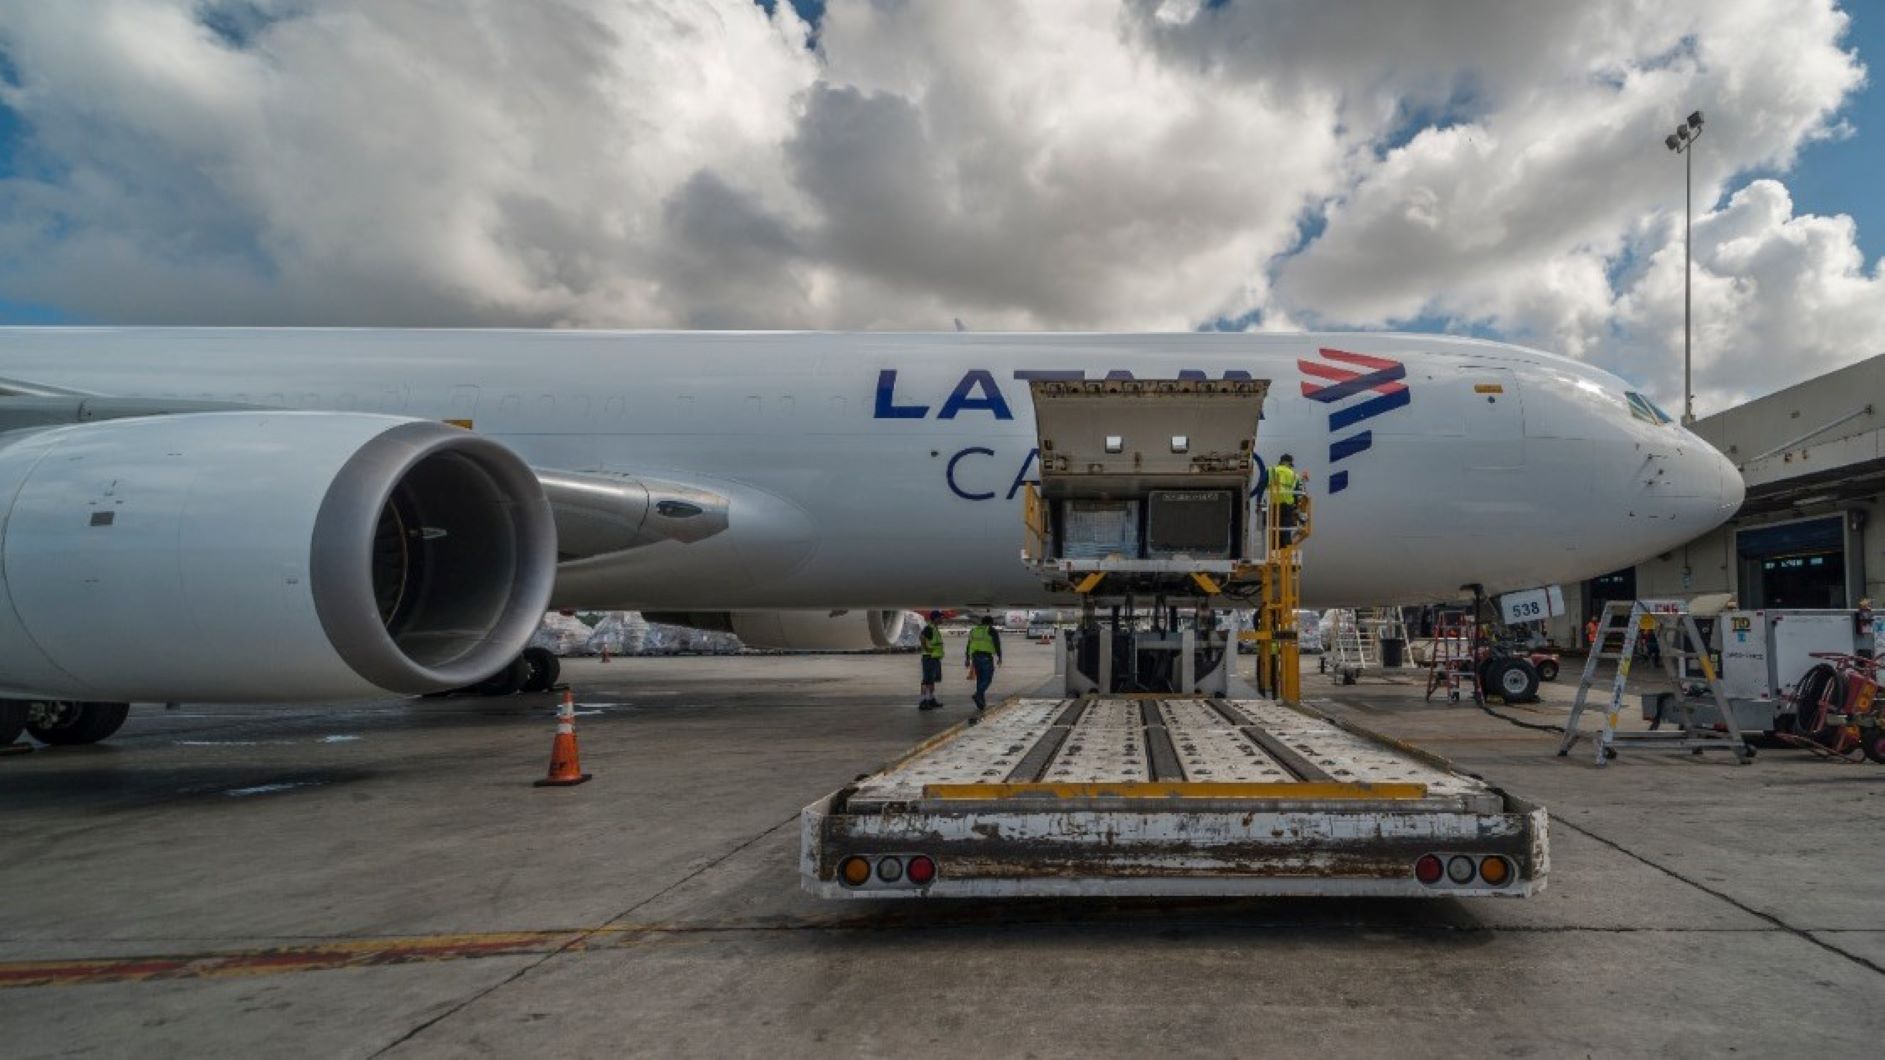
pixel 277 960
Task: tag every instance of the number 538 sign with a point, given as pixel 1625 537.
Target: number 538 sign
pixel 1532 605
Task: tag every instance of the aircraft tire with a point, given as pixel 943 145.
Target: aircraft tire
pixel 506 681
pixel 1515 680
pixel 545 668
pixel 65 723
pixel 1488 670
pixel 12 720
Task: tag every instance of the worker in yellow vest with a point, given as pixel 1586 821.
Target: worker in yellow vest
pixel 930 647
pixel 983 655
pixel 1285 486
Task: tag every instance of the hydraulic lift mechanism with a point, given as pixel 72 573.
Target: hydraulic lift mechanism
pixel 1149 508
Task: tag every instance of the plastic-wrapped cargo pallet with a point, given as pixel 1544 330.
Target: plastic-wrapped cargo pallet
pixel 621 632
pixel 1309 632
pixel 660 639
pixel 561 634
pixel 910 636
pixel 708 643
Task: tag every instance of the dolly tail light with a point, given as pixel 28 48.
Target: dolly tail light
pixel 1428 869
pixel 1495 870
pixel 1459 868
pixel 921 870
pixel 855 871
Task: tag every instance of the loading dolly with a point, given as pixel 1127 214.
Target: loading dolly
pixel 1111 795
pixel 1145 776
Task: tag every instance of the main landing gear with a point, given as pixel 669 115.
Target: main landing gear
pixel 70 722
pixel 60 722
pixel 535 670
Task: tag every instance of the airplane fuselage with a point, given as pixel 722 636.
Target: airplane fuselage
pixel 884 470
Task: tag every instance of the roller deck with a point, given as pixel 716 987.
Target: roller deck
pixel 1168 795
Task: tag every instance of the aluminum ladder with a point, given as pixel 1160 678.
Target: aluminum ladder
pixel 1629 619
pixel 1379 624
pixel 1349 654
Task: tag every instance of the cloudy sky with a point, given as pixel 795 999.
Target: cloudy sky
pixel 1494 168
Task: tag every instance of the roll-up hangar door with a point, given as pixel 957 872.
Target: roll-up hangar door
pixel 1797 564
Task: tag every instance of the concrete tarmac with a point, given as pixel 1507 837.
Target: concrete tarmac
pixel 367 879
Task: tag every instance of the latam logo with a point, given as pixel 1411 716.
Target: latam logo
pixel 1376 376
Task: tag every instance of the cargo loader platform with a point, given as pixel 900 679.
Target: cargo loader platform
pixel 1169 795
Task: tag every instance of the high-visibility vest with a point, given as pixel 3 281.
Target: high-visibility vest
pixel 981 641
pixel 1282 484
pixel 932 642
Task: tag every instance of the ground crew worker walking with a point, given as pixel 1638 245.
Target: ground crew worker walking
pixel 1285 484
pixel 983 655
pixel 930 645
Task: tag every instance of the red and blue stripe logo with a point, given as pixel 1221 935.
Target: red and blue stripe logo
pixel 1377 380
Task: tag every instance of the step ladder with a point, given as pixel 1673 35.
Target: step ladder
pixel 1351 653
pixel 1681 640
pixel 1379 624
pixel 1453 666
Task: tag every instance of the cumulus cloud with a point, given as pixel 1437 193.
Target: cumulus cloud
pixel 366 162
pixel 1145 164
pixel 1778 298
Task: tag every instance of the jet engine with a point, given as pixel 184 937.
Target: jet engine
pixel 241 556
pixel 795 630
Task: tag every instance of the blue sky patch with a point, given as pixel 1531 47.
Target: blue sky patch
pixel 1842 176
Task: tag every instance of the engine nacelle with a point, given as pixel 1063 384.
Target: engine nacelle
pixel 795 630
pixel 237 556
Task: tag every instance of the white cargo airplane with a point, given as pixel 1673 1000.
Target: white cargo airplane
pixel 286 514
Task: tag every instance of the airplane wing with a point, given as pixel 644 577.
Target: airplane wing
pixel 25 388
pixel 599 512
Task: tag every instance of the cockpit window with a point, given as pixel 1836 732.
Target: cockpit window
pixel 1644 409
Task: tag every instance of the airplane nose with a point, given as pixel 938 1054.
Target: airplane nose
pixel 1734 489
pixel 1704 488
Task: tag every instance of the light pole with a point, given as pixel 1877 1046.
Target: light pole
pixel 1682 142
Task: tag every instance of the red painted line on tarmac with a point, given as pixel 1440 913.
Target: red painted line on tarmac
pixel 362 953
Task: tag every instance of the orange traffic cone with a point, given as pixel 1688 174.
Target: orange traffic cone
pixel 565 758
